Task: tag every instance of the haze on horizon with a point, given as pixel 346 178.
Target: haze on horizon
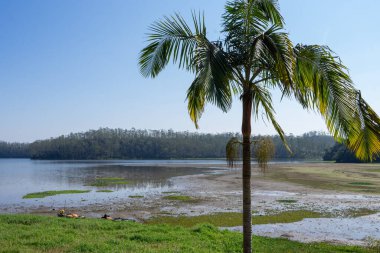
pixel 71 66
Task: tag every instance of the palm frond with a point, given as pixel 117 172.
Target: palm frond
pixel 251 14
pixel 170 38
pixel 272 52
pixel 232 151
pixel 367 143
pixel 262 98
pixel 322 82
pixel 213 81
pixel 243 20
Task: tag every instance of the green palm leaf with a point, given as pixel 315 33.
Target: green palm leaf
pixel 261 98
pixel 366 144
pixel 323 83
pixel 170 38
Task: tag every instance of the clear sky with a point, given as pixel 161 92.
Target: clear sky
pixel 69 66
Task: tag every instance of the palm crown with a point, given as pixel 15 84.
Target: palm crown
pixel 255 56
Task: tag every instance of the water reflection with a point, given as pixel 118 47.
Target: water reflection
pixel 22 176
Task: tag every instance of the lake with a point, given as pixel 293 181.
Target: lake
pixel 22 176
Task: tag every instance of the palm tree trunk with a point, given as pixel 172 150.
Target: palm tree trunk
pixel 247 214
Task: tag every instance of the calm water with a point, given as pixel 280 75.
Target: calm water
pixel 21 176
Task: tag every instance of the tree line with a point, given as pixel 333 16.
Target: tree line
pixel 14 150
pixel 106 143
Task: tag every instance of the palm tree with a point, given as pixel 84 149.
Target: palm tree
pixel 254 57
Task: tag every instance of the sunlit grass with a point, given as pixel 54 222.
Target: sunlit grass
pixel 28 233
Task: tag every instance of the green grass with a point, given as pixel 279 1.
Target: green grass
pixel 104 191
pixel 34 195
pixel 32 234
pixel 181 198
pixel 136 196
pixel 107 181
pixel 233 219
pixel 287 201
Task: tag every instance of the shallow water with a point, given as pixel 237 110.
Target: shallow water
pixel 23 176
pixel 355 231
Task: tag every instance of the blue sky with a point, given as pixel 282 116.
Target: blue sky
pixel 68 66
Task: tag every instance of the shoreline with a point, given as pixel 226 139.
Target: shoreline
pixel 220 191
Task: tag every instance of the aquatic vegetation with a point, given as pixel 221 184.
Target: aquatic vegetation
pixel 107 181
pixel 181 198
pixel 353 213
pixel 136 196
pixel 360 183
pixel 52 193
pixel 231 219
pixel 287 201
pixel 104 191
pixel 110 178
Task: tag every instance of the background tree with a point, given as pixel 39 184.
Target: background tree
pixel 253 57
pixel 341 154
pixel 264 151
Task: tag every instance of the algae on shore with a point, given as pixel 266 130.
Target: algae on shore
pixel 182 198
pixel 231 219
pixel 104 191
pixel 107 181
pixel 52 193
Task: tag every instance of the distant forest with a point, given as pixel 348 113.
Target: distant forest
pixel 108 143
pixel 14 150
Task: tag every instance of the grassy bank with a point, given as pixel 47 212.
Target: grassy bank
pixel 27 233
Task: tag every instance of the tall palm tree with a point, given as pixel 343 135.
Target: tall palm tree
pixel 254 57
